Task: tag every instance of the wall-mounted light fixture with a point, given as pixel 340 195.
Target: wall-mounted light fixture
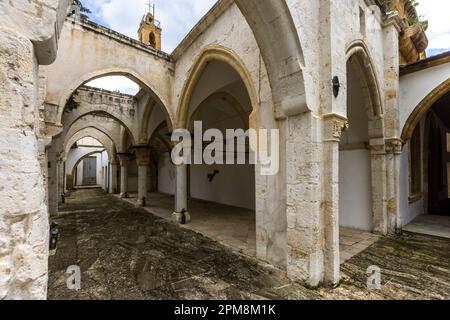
pixel 336 86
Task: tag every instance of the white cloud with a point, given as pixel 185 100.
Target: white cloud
pixel 436 12
pixel 177 17
pixel 115 83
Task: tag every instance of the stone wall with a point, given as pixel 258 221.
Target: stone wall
pixel 27 32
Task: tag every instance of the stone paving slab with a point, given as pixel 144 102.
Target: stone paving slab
pixel 438 226
pixel 126 253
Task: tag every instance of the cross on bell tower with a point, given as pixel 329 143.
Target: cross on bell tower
pixel 149 30
pixel 151 8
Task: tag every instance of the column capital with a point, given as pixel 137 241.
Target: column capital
pixel 335 125
pixel 394 146
pixel 142 155
pixel 124 158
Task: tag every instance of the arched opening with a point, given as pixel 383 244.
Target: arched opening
pixel 425 165
pixel 228 189
pixel 355 205
pixel 221 193
pixel 152 39
pixel 362 158
pixel 87 165
pixel 100 111
pixel 125 82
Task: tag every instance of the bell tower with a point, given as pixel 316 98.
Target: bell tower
pixel 149 30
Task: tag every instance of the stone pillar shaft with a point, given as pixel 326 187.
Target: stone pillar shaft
pixel 113 178
pixel 123 181
pixel 333 128
pixel 143 162
pixel 124 160
pixel 181 194
pixel 378 174
pixel 393 150
pixel 142 185
pixel 305 246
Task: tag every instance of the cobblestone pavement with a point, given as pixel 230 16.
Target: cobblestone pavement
pixel 126 253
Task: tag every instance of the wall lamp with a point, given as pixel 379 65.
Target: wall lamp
pixel 336 86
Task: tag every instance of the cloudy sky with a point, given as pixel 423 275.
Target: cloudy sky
pixel 179 16
pixel 437 13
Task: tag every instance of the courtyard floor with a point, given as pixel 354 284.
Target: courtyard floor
pixel 438 226
pixel 128 253
pixel 236 227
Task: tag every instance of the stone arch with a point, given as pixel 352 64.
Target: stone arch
pixel 421 109
pixel 230 99
pixel 359 50
pixel 72 171
pixel 90 154
pixel 91 133
pixel 221 54
pixel 146 118
pixel 101 132
pixel 124 136
pixel 155 135
pixel 126 126
pixel 282 55
pixel 369 154
pixel 129 73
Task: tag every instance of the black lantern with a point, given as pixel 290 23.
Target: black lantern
pixel 336 86
pixel 54 235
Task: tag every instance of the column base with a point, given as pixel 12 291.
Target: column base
pixel 178 217
pixel 124 195
pixel 141 203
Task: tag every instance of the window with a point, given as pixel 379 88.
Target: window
pixel 415 166
pixel 152 39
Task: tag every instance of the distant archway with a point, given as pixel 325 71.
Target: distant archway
pixel 131 74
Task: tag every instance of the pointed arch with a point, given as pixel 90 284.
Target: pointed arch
pixel 359 50
pixel 225 96
pixel 276 34
pixel 126 126
pixel 421 109
pixel 209 54
pixel 101 132
pixel 129 73
pixel 91 133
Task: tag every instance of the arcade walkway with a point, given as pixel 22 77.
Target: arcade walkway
pixel 236 227
pixel 128 253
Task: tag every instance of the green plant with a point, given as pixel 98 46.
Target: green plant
pixel 71 104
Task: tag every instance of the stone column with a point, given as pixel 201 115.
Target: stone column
pixel 393 153
pixel 333 127
pixel 113 177
pixel 181 194
pixel 52 183
pixel 124 160
pixel 143 162
pixel 378 174
pixel 305 241
pixel 61 179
